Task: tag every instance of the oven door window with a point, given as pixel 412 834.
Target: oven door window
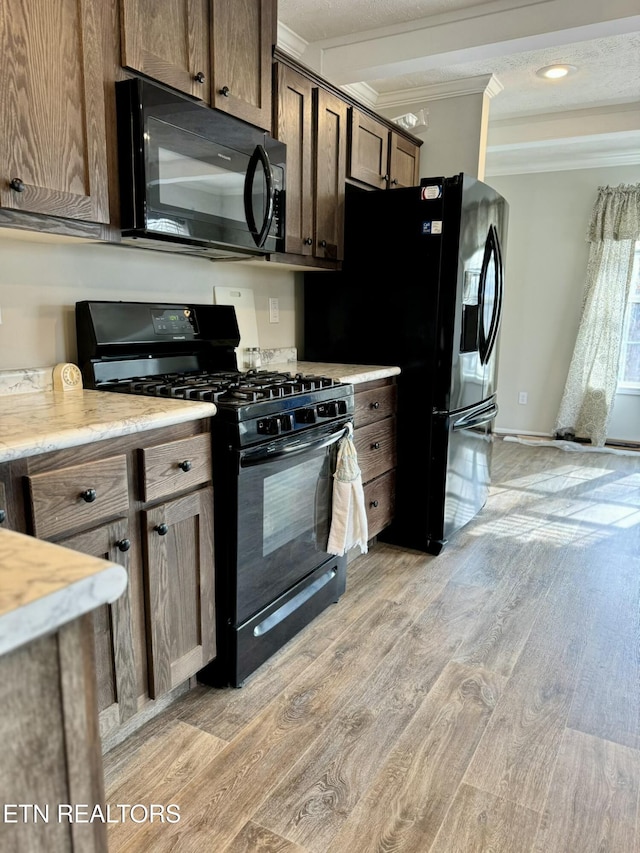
pixel 284 514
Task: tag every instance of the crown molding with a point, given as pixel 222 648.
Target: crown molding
pixel 290 42
pixel 484 84
pixel 362 92
pixel 562 155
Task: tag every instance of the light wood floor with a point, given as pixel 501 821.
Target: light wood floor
pixel 484 700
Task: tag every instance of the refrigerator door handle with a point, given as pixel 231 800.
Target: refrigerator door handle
pixel 476 419
pixel 497 308
pixel 487 336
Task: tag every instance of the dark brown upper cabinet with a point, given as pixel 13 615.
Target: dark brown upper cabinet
pixel 293 125
pixel 53 157
pixel 169 42
pixel 380 157
pixel 330 174
pixel 243 34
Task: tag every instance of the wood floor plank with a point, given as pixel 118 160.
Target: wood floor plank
pixel 502 629
pixel 253 838
pixel 606 700
pixel 517 753
pixel 410 796
pixel 315 799
pixel 163 765
pixel 331 704
pixel 479 822
pixel 593 799
pixel 384 575
pixel 225 793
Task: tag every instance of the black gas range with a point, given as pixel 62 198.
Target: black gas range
pixel 275 438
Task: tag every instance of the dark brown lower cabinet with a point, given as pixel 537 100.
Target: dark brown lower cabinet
pixel 114 653
pixel 375 441
pixel 180 589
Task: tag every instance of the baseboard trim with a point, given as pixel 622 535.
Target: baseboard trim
pixel 508 431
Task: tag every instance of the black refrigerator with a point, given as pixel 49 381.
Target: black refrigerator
pixel 422 287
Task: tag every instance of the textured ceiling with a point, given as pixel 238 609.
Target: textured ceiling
pixel 608 67
pixel 315 20
pixel 608 72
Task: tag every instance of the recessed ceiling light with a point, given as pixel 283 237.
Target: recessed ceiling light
pixel 555 72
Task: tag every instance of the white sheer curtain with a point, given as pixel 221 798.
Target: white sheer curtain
pixel 588 396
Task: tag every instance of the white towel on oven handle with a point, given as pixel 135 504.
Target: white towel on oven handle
pixel 348 517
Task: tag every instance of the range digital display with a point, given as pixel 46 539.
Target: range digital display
pixel 175 322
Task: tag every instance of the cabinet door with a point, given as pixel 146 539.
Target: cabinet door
pixel 53 157
pixel 330 174
pixel 294 127
pixel 115 663
pixel 169 42
pixel 368 150
pixel 180 593
pixel 242 32
pixel 404 162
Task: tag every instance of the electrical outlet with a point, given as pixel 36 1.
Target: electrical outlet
pixel 274 310
pixel 523 398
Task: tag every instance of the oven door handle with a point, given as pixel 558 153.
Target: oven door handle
pixel 267 454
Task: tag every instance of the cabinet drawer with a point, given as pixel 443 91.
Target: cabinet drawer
pixel 79 496
pixel 374 404
pixel 376 448
pixel 176 466
pixel 379 501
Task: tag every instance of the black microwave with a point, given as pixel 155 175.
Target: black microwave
pixel 195 180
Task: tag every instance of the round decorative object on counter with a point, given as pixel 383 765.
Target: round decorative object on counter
pixel 67 377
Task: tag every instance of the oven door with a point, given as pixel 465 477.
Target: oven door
pixel 283 515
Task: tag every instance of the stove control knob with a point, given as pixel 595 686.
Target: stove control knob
pixel 269 426
pixel 328 410
pixel 306 416
pixel 342 407
pixel 286 423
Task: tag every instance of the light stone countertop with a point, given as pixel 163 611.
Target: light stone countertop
pixel 354 373
pixel 51 420
pixel 44 586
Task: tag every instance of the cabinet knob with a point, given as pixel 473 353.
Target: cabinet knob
pixel 375 445
pixel 226 91
pixel 199 77
pixel 386 178
pixel 17 185
pixel 323 244
pixel 374 504
pixel 161 529
pixel 308 241
pixel 123 544
pixel 89 495
pixel 394 182
pixel 185 466
pixel 3 516
pixel 375 405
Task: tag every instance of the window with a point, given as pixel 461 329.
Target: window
pixel 629 375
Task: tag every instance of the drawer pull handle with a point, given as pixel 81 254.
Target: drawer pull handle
pixel 375 445
pixel 185 466
pixel 3 516
pixel 375 405
pixel 123 545
pixel 161 529
pixel 89 495
pixel 374 503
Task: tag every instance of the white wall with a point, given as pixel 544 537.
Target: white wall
pixel 42 278
pixel 546 263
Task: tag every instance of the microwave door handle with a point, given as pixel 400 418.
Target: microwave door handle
pixel 259 156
